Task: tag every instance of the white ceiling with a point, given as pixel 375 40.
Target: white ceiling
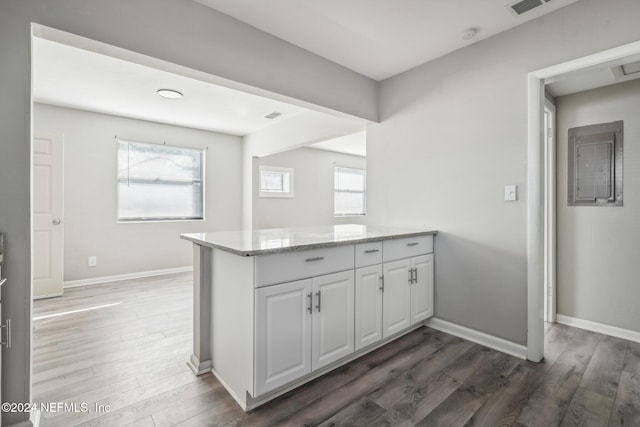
pixel 77 78
pixel 379 38
pixel 614 72
pixel 355 144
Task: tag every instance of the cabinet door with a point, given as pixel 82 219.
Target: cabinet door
pixel 333 318
pixel 422 288
pixel 368 305
pixel 396 311
pixel 283 334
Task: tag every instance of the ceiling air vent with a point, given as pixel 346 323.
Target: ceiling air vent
pixel 632 68
pixel 525 6
pixel 272 115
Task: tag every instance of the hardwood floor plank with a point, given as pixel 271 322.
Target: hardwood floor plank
pixel 587 409
pixel 503 407
pixel 322 409
pixel 489 369
pixel 360 413
pixel 583 342
pixel 393 391
pixel 603 372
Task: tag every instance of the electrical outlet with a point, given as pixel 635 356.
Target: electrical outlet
pixel 92 261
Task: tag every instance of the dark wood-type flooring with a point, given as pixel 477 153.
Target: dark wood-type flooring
pixel 130 351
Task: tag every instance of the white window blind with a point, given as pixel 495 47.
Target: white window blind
pixel 159 182
pixel 349 191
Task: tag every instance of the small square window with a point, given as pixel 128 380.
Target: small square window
pixel 595 165
pixel 276 181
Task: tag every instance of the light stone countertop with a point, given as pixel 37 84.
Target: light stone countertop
pixel 277 240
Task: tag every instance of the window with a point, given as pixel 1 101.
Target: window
pixel 349 191
pixel 159 182
pixel 276 181
pixel 595 165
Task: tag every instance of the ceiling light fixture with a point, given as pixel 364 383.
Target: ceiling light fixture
pixel 469 33
pixel 169 93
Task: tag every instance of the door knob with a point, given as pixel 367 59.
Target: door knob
pixel 56 221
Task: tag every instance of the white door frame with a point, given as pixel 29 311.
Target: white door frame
pixel 536 185
pixel 550 213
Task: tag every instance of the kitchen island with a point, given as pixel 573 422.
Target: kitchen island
pixel 276 308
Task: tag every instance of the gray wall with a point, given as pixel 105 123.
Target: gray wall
pixel 599 247
pixel 312 203
pixel 90 193
pixel 178 31
pixel 453 132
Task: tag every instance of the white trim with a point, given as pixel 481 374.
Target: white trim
pixel 128 276
pixel 500 344
pixel 535 221
pixel 550 225
pixel 601 328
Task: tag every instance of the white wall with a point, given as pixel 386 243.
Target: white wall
pixel 599 247
pixel 90 192
pixel 312 204
pixel 178 31
pixel 453 132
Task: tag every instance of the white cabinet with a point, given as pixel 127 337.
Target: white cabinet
pixel 368 305
pixel 332 322
pixel 302 326
pixel 396 313
pixel 422 288
pixel 283 334
pixel 408 293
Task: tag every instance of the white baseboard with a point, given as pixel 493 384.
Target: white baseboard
pixel 601 328
pixel 129 276
pixel 500 344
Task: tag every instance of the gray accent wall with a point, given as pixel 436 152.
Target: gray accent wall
pixel 599 247
pixel 453 133
pixel 312 203
pixel 90 192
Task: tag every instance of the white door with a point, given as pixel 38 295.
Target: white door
pixel 369 292
pixel 396 311
pixel 422 288
pixel 283 334
pixel 48 225
pixel 333 318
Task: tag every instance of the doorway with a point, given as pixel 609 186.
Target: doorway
pixel 541 203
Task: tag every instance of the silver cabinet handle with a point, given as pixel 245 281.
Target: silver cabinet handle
pixel 410 275
pixel 319 300
pixel 310 296
pixel 7 325
pixel 318 258
pixel 370 251
pixel 415 275
pixel 382 283
pixel 413 244
pixel 56 221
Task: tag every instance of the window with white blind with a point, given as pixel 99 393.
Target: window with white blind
pixel 349 191
pixel 159 182
pixel 276 181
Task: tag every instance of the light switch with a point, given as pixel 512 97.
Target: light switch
pixel 510 193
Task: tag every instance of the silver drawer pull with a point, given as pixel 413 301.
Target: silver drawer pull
pixel 319 300
pixel 413 244
pixel 310 296
pixel 318 258
pixel 370 251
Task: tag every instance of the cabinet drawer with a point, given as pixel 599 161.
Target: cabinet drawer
pixel 280 268
pixel 368 254
pixel 406 247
